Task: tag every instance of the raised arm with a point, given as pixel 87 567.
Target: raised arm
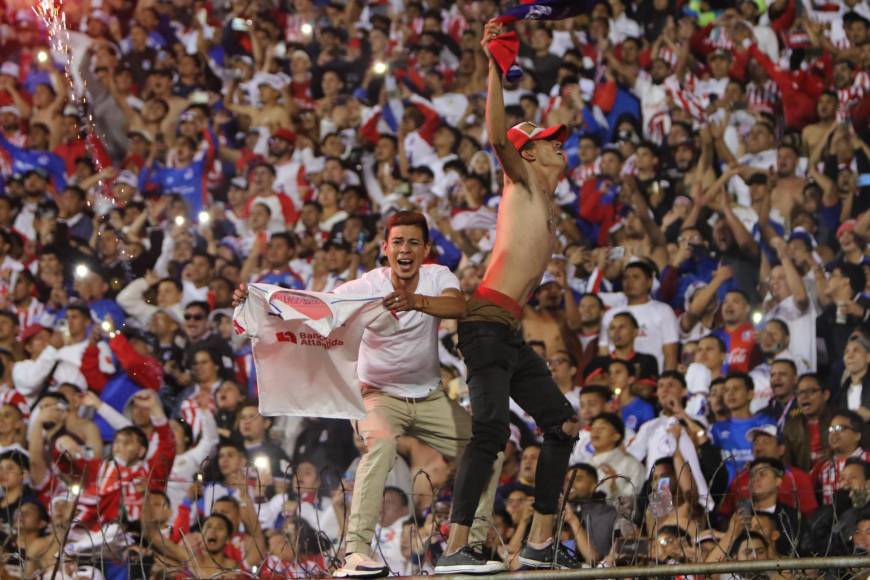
pixel 742 237
pixel 510 159
pixel 792 276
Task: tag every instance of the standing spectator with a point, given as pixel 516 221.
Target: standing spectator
pixel 854 392
pixel 738 333
pixel 783 381
pixel 790 302
pixel 656 322
pixel 547 321
pixel 731 434
pixel 623 332
pixel 806 433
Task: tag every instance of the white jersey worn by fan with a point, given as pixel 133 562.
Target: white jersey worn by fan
pixel 403 364
pixel 658 327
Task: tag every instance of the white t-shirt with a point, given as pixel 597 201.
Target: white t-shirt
pixel 404 364
pixel 801 326
pixel 658 327
pixel 573 397
pixel 854 397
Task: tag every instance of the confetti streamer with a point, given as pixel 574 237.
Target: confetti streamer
pixel 52 15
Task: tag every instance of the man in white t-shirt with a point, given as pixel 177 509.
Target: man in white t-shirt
pixel 401 381
pixel 790 302
pixel 400 378
pixel 658 333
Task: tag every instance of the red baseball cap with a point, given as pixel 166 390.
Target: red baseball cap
pixel 522 133
pixel 31 331
pixel 284 133
pixel 846 226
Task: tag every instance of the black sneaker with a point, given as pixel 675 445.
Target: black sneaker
pixel 467 561
pixel 555 556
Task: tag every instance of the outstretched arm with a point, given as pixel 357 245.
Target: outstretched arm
pixel 510 159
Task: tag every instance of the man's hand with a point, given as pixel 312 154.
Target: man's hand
pixel 151 278
pixel 570 517
pixel 490 31
pixel 148 400
pixel 240 294
pixel 56 340
pixel 779 246
pixel 402 301
pixel 723 273
pixel 90 399
pixel 675 430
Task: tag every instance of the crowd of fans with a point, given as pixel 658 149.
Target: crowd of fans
pixel 706 310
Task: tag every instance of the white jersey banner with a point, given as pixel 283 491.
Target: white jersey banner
pixel 306 346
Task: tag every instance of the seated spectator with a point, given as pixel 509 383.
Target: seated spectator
pixel 14 472
pixel 796 489
pixel 563 367
pixel 254 431
pixel 592 512
pixel 594 400
pixel 832 527
pixel 656 441
pixel 525 480
pixel 844 441
pixel 765 478
pixel 621 473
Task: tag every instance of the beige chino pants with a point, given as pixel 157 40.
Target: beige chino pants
pixel 437 421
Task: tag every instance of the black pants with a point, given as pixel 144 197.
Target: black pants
pixel 501 365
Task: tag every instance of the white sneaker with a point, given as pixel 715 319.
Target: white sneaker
pixel 361 566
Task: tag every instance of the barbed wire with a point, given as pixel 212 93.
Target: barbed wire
pixel 123 537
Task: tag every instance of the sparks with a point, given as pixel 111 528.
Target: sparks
pixel 52 16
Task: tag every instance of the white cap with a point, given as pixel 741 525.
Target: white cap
pixel 764 429
pixel 127 178
pixel 273 81
pixel 548 278
pixel 10 68
pixel 10 109
pixel 101 16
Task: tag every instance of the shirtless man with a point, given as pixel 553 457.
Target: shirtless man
pixel 500 363
pixel 787 188
pixel 203 552
pixel 814 136
pixel 547 322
